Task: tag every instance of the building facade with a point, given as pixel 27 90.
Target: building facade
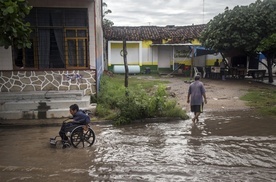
pixel 158 48
pixel 66 52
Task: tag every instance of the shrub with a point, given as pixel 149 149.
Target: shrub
pixel 124 105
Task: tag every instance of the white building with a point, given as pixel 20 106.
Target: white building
pixel 66 52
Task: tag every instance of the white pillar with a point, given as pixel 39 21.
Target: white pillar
pixel 140 53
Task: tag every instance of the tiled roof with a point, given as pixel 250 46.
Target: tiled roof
pixel 176 34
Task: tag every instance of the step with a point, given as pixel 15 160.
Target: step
pixel 35 114
pixel 41 95
pixel 25 105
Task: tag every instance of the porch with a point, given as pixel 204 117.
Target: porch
pixel 42 104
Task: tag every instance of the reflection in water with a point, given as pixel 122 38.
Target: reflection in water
pixel 223 147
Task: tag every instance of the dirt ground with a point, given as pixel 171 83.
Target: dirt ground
pixel 221 95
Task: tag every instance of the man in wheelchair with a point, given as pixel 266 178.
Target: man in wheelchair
pixel 79 118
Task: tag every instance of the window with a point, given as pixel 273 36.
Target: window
pixel 76 43
pixel 182 52
pixel 59 37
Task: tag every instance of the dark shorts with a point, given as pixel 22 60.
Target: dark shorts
pixel 197 108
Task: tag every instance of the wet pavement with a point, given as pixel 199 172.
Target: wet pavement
pixel 225 146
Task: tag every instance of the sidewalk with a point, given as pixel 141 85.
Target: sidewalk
pixel 43 122
pixel 31 122
pixel 265 81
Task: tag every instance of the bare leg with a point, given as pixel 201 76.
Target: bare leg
pixel 195 119
pixel 196 116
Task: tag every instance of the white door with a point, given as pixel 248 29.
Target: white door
pixel 164 56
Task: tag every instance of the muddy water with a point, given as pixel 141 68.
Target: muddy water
pixel 223 147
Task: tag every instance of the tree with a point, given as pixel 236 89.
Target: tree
pixel 106 23
pixel 14 31
pixel 244 30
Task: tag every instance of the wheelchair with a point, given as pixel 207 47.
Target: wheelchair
pixel 79 136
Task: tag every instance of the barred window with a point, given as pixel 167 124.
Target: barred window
pixel 59 39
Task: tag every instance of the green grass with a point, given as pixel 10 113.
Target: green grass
pixel 145 97
pixel 134 81
pixel 264 100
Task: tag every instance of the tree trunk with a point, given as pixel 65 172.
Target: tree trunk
pixel 125 62
pixel 225 61
pixel 269 69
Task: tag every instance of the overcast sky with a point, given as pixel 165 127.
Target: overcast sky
pixel 167 12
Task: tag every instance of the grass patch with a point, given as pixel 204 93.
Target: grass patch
pixel 145 97
pixel 264 100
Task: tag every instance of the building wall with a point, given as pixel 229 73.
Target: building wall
pixel 5 58
pixel 165 56
pixel 134 53
pixel 99 48
pixel 155 57
pixel 24 81
pixel 149 57
pixel 31 80
pixel 211 59
pixel 76 4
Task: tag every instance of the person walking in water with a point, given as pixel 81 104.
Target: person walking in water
pixel 196 94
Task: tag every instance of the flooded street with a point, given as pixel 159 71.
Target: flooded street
pixel 225 146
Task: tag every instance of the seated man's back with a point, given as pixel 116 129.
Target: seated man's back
pixel 81 118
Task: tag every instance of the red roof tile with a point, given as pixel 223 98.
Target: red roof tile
pixel 177 34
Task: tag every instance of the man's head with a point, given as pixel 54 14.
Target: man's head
pixel 74 109
pixel 197 77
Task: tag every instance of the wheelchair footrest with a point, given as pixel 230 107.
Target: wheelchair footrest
pixel 53 141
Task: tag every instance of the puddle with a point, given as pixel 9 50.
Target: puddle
pixel 225 146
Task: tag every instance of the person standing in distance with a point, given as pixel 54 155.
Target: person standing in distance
pixel 196 94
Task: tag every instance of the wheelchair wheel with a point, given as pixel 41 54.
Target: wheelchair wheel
pixel 82 138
